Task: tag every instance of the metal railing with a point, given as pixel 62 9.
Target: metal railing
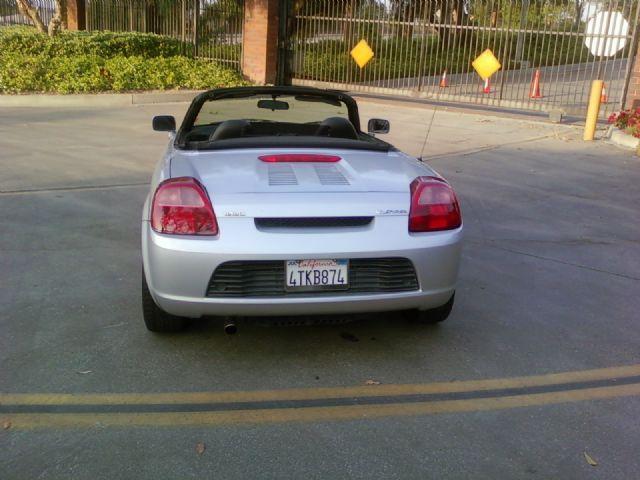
pixel 10 15
pixel 415 42
pixel 210 29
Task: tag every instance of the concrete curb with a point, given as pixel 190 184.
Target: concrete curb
pixel 98 99
pixel 621 139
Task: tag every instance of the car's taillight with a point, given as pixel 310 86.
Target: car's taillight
pixel 299 157
pixel 181 206
pixel 434 206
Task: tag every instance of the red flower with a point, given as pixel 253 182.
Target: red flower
pixel 628 120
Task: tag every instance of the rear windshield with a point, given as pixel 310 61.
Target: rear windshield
pixel 266 119
pixel 289 109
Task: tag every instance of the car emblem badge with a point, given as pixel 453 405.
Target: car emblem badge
pixel 391 212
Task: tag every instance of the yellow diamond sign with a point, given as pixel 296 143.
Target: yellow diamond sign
pixel 486 64
pixel 362 53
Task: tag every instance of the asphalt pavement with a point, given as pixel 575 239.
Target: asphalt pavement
pixel 535 375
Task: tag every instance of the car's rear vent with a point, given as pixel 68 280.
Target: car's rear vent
pixel 281 174
pixel 265 278
pixel 313 222
pixel 330 175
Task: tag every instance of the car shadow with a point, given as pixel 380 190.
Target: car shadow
pixel 311 334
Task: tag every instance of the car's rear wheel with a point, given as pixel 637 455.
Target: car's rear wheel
pixel 156 319
pixel 434 315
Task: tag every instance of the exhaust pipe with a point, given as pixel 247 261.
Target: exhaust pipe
pixel 230 328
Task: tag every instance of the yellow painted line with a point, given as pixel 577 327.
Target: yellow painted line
pixel 317 393
pixel 72 188
pixel 33 421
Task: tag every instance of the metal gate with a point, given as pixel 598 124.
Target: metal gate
pixel 417 42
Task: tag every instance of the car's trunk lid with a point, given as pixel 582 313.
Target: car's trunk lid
pixel 241 171
pixel 362 183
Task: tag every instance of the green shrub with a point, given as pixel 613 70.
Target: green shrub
pixel 139 73
pixel 28 41
pixel 214 50
pixel 21 73
pixel 92 73
pixel 80 74
pixel 84 62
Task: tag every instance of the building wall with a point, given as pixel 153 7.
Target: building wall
pixel 633 94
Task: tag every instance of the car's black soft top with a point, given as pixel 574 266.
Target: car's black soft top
pixel 293 142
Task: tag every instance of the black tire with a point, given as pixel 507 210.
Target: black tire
pixel 156 319
pixel 435 315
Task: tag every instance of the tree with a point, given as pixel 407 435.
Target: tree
pixel 57 22
pixel 579 9
pixel 451 14
pixel 404 11
pixel 26 9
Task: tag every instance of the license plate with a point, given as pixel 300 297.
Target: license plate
pixel 317 274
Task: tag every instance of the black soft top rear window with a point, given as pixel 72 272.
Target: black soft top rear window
pixel 253 117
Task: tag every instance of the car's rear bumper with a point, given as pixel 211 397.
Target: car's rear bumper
pixel 178 269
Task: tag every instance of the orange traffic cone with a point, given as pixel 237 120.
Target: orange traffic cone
pixel 603 96
pixel 444 82
pixel 487 86
pixel 534 92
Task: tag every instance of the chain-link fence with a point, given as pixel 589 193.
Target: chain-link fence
pixel 425 48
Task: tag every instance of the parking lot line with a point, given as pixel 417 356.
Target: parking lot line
pixel 317 404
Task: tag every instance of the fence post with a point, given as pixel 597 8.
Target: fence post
pixel 260 41
pixel 183 13
pixel 196 16
pixel 520 39
pixel 631 89
pixel 144 18
pixel 76 16
pixel 283 62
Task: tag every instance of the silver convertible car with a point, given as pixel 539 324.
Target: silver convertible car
pixel 271 201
